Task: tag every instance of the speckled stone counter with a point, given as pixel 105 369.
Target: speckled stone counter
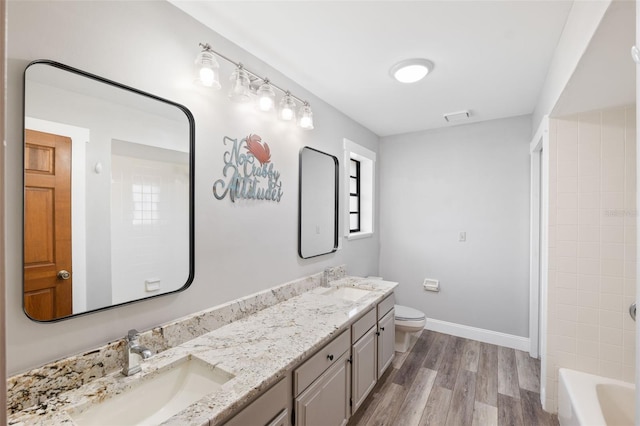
pixel 258 350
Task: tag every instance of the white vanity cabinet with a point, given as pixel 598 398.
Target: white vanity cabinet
pixel 364 368
pixel 386 333
pixel 322 385
pixel 329 386
pixel 272 408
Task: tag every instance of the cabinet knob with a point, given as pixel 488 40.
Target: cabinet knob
pixel 377 333
pixel 330 357
pixel 382 328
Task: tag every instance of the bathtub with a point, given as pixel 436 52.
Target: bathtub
pixel 589 400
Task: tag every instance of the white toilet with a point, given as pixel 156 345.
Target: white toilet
pixel 409 323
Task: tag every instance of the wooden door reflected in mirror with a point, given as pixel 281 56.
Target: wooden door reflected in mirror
pixel 47 226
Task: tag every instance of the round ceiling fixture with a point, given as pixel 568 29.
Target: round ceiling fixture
pixel 411 70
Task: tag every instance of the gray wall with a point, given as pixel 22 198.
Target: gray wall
pixel 435 184
pixel 241 248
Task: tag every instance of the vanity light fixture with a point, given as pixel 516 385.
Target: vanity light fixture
pixel 266 96
pixel 241 89
pixel 411 70
pixel 287 108
pixel 207 68
pixel 306 116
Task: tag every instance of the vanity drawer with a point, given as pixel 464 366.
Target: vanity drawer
pixel 304 375
pixel 386 305
pixel 360 327
pixel 267 407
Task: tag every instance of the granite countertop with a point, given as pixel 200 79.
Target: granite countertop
pixel 258 350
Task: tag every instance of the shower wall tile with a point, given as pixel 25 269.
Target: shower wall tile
pixel 610 284
pixel 592 256
pixel 589 233
pixel 568 201
pixel 588 316
pixel 588 266
pixel 588 250
pixel 612 234
pixel 611 302
pixel 589 200
pixel 566 280
pixel 567 232
pixel 587 364
pixel 588 282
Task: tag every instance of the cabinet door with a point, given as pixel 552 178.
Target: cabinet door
pixel 326 401
pixel 364 368
pixel 386 341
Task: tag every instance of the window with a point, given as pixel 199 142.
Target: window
pixel 146 199
pixel 354 196
pixel 359 177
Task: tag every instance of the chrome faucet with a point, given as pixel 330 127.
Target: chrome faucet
pixel 325 278
pixel 133 354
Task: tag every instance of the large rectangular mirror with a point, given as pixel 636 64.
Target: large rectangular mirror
pixel 108 193
pixel 318 203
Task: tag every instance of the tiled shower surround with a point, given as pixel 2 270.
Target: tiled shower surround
pixel 592 246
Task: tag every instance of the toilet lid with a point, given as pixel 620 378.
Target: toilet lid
pixel 405 313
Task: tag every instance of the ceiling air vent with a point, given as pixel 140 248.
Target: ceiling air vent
pixel 454 117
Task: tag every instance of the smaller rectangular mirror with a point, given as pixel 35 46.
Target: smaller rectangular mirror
pixel 318 203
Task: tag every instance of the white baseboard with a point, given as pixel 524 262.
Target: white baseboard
pixel 480 334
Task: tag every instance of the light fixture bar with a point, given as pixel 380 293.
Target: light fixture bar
pixel 208 48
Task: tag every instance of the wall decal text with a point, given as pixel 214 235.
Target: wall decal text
pixel 248 174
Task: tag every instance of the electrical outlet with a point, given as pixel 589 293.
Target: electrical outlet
pixel 462 237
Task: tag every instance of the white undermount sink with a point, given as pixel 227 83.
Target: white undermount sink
pixel 346 293
pixel 157 398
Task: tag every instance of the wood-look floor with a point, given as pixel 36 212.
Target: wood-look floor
pixel 447 380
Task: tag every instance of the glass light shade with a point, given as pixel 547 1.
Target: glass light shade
pixel 266 97
pixel 287 108
pixel 239 91
pixel 207 70
pixel 411 70
pixel 306 117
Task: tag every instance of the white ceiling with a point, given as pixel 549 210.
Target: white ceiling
pixel 491 57
pixel 606 75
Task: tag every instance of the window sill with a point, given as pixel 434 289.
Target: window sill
pixel 359 235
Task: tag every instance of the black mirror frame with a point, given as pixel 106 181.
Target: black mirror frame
pixel 192 145
pixel 337 202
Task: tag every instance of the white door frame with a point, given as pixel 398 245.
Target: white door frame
pixel 637 378
pixel 538 239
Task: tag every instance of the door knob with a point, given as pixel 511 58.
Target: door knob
pixel 64 275
pixel 632 310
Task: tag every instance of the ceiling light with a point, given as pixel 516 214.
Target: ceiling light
pixel 266 96
pixel 411 70
pixel 207 68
